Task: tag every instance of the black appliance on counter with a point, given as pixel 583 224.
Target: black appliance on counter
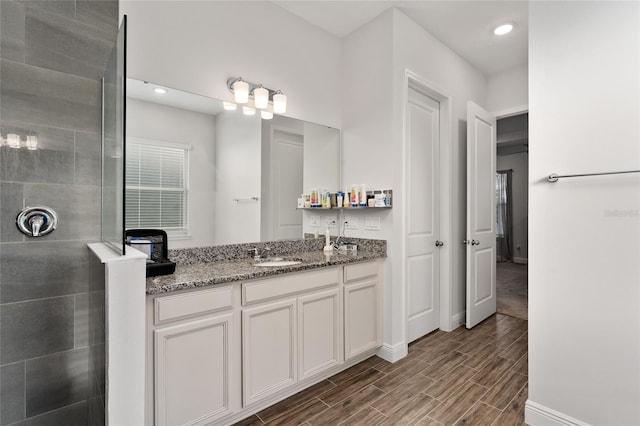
pixel 153 243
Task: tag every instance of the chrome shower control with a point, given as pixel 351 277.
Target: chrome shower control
pixel 37 221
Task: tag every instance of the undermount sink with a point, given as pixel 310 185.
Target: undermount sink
pixel 278 263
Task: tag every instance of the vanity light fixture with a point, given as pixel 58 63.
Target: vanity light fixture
pixel 279 103
pixel 248 110
pixel 503 29
pixel 229 106
pixel 32 143
pixel 261 97
pixel 240 89
pixel 160 90
pixel 14 141
pixel 244 90
pixel 266 115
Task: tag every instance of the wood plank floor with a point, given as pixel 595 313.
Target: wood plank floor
pixel 465 377
pixel 512 289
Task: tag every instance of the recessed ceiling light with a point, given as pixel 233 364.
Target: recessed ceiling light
pixel 160 90
pixel 503 29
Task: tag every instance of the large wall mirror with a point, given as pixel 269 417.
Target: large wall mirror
pixel 211 176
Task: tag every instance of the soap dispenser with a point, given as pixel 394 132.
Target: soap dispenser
pixel 327 240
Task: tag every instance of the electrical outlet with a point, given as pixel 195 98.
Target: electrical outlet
pixel 352 222
pixel 372 223
pixel 315 221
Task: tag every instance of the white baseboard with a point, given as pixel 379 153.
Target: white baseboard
pixel 539 415
pixel 457 320
pixel 521 260
pixel 393 353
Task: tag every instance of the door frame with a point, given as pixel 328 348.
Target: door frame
pixel 414 81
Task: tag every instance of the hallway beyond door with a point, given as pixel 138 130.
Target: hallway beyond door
pixel 512 289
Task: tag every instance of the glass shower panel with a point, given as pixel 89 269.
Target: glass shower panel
pixel 113 145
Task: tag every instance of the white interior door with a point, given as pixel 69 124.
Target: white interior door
pixel 286 172
pixel 481 214
pixel 423 222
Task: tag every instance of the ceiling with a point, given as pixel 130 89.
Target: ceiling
pixel 143 90
pixel 464 26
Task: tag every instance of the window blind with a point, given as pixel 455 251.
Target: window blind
pixel 156 190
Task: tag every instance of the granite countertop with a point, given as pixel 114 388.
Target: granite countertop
pixel 204 274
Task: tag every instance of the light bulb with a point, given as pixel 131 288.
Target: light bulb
pixel 279 103
pixel 229 106
pixel 261 97
pixel 160 90
pixel 248 110
pixel 266 115
pixel 241 91
pixel 13 140
pixel 503 29
pixel 32 143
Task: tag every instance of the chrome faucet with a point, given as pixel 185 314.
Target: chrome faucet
pixel 257 254
pixel 36 223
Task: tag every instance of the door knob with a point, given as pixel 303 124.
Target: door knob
pixel 465 242
pixel 37 221
pixel 439 243
pixel 475 242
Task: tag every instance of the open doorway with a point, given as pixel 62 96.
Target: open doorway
pixel 512 194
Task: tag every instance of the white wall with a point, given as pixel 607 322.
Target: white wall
pixel 508 91
pixel 584 250
pixel 375 59
pixel 196 46
pixel 237 170
pixel 520 193
pixel 148 120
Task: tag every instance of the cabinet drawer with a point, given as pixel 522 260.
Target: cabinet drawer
pixel 171 308
pixel 258 291
pixel 359 271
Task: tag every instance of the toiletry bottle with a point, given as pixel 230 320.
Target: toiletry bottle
pixel 325 203
pixel 354 196
pixel 347 198
pixel 363 196
pixel 339 199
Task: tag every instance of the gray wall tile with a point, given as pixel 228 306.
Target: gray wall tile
pixel 64 44
pixel 23 165
pixel 36 270
pixel 75 414
pixel 99 13
pixel 51 99
pixel 52 162
pixel 36 328
pixel 11 195
pixel 12 385
pixel 78 209
pixel 56 381
pixel 81 328
pixel 65 8
pixel 88 159
pixel 49 138
pixel 12 35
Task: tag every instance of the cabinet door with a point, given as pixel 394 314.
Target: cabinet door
pixel 361 317
pixel 268 349
pixel 192 371
pixel 319 332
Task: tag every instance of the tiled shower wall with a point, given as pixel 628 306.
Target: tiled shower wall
pixel 52 58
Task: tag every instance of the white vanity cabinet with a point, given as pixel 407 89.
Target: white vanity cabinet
pixel 194 341
pixel 291 330
pixel 362 308
pixel 220 353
